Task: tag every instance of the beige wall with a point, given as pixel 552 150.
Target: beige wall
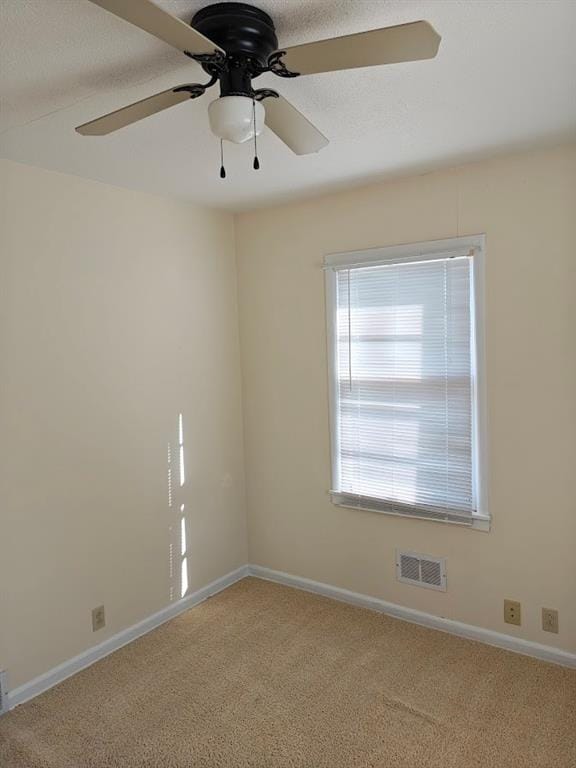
pixel 117 312
pixel 526 205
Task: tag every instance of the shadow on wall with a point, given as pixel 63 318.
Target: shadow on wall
pixel 177 546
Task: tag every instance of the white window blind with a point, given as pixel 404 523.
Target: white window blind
pixel 404 387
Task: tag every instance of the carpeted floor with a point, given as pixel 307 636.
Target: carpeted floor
pixel 271 677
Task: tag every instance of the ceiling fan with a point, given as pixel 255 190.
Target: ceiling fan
pixel 235 43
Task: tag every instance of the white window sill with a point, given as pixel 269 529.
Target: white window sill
pixel 477 523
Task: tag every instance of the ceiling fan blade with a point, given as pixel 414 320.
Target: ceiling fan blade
pixel 152 19
pixel 134 112
pixel 290 125
pixel 390 45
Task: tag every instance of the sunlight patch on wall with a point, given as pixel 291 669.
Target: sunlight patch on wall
pixel 171 574
pixel 184 577
pixel 182 532
pixel 178 538
pixel 181 444
pixel 183 545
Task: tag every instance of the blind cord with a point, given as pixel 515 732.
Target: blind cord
pixel 349 337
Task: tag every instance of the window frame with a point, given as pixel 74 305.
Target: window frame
pixel 432 249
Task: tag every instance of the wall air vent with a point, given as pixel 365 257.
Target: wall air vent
pixel 421 570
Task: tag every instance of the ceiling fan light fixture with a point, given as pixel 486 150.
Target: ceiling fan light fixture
pixel 234 118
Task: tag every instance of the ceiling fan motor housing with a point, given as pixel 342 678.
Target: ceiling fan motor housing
pixel 247 35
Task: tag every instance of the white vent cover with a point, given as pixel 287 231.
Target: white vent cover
pixel 422 570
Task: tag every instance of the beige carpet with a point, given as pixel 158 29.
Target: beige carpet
pixel 266 676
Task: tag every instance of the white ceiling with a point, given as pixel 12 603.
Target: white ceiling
pixel 504 78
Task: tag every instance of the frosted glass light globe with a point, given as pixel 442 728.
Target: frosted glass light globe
pixel 232 118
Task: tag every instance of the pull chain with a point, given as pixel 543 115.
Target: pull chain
pixel 256 164
pixel 222 169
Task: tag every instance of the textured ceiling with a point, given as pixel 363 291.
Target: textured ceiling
pixel 504 77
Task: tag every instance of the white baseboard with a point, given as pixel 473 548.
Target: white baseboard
pixel 516 644
pixel 66 669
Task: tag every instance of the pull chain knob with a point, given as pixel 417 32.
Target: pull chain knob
pixel 222 169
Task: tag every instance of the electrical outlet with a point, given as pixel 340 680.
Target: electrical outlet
pixel 3 692
pixel 550 620
pixel 512 612
pixel 98 618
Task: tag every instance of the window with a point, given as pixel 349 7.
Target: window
pixel 407 380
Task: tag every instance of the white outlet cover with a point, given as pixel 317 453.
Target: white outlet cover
pixel 3 691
